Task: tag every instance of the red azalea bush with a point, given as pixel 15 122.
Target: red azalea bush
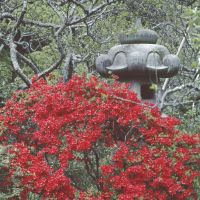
pixel 91 140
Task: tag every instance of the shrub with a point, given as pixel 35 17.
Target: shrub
pixel 91 140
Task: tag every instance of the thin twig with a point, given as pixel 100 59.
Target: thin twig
pixel 133 102
pixel 169 91
pixel 28 62
pixel 51 68
pixel 178 52
pixel 23 12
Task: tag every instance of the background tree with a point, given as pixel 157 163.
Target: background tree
pixel 62 32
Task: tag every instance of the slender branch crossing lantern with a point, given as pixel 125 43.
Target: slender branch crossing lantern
pixel 140 60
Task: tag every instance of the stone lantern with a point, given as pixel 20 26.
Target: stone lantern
pixel 140 60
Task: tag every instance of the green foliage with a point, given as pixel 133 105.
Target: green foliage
pixel 6 192
pixel 193 16
pixel 46 57
pixel 7 76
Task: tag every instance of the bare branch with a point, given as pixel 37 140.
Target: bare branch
pixel 189 102
pixel 57 10
pixel 7 15
pixel 81 6
pixel 133 102
pixel 1 47
pixel 23 12
pixel 28 21
pixel 16 64
pixel 51 68
pixel 28 62
pixel 169 91
pixel 91 12
pixel 178 52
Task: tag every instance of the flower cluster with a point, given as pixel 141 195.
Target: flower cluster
pixel 90 140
